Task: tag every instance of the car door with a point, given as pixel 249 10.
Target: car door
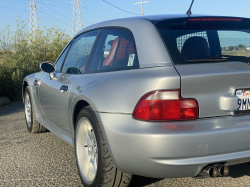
pixel 54 92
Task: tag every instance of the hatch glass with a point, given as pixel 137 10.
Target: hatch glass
pixel 206 40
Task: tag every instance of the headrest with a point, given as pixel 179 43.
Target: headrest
pixel 195 47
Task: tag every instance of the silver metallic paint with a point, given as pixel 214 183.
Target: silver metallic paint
pixel 229 102
pixel 208 82
pixel 151 148
pixel 55 103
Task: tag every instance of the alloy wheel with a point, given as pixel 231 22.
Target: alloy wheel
pixel 87 150
pixel 28 109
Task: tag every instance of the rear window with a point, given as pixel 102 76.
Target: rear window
pixel 206 40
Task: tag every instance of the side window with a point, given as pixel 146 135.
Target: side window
pixel 78 55
pixel 114 50
pixel 60 60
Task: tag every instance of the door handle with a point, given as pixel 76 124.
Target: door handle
pixel 64 88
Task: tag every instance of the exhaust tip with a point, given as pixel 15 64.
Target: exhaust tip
pixel 210 171
pixel 222 169
pixel 213 172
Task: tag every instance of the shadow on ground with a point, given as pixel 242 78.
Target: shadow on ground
pixel 142 181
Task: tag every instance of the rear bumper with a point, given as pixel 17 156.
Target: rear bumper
pixel 175 149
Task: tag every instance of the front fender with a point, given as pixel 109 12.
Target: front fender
pixel 28 80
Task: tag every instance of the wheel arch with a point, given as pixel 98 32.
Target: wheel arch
pixel 25 84
pixel 77 107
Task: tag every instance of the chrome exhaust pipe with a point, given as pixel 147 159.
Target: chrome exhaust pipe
pixel 210 171
pixel 222 169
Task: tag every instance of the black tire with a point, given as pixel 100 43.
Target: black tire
pixel 35 126
pixel 107 174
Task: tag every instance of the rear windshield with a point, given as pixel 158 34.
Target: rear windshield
pixel 204 40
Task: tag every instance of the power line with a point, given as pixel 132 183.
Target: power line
pixel 11 8
pixel 104 9
pixel 16 1
pixel 55 18
pixel 93 15
pixel 53 5
pixel 120 8
pixel 67 9
pixel 58 13
pixel 102 15
pixel 21 10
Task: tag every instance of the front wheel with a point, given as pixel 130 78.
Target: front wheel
pixel 93 160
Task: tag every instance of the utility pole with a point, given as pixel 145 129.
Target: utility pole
pixel 77 23
pixel 142 5
pixel 34 23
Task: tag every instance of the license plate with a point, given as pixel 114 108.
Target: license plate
pixel 243 100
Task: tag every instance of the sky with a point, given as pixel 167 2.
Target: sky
pixel 59 13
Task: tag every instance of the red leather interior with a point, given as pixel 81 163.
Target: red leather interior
pixel 110 58
pixel 125 49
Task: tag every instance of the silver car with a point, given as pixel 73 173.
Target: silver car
pixel 157 96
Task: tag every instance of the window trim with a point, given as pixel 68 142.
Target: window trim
pixel 72 43
pixel 69 44
pixel 67 54
pixel 117 69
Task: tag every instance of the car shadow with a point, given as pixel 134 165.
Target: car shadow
pixel 236 171
pixel 138 181
pixel 239 170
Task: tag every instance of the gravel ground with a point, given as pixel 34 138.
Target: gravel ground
pixel 45 160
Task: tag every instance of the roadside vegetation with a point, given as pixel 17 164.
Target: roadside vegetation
pixel 240 50
pixel 21 54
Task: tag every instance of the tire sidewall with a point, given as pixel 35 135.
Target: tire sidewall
pixel 89 114
pixel 31 110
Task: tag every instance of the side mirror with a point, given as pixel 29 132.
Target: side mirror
pixel 48 67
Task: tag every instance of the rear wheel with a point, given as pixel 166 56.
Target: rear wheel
pixel 33 125
pixel 93 160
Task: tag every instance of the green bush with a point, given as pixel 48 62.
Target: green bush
pixel 21 53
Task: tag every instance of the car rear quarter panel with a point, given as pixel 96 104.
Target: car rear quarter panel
pixel 118 92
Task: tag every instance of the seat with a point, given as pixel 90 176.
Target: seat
pixel 195 47
pixel 110 58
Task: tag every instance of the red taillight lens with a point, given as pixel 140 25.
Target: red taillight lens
pixel 165 105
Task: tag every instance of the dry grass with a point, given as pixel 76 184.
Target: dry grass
pixel 237 53
pixel 21 53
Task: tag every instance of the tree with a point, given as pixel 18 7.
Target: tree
pixel 242 46
pixel 230 48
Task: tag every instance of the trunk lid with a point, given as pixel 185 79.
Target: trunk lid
pixel 209 83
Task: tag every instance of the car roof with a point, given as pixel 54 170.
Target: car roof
pixel 145 39
pixel 151 18
pixel 170 16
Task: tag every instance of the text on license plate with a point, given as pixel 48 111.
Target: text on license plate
pixel 243 100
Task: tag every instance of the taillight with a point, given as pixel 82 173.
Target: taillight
pixel 165 105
